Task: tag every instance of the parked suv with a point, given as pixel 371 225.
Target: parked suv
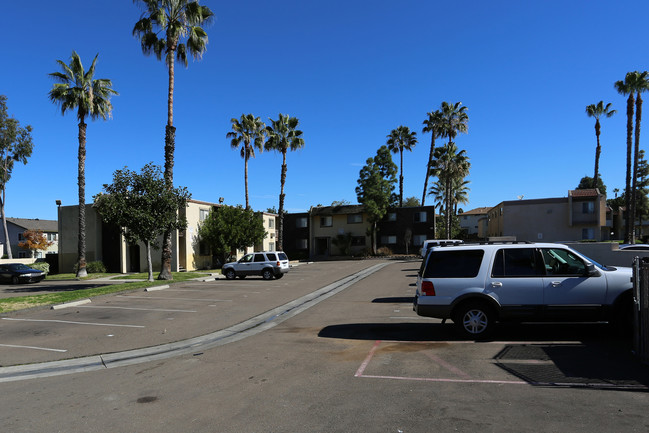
pixel 477 285
pixel 268 264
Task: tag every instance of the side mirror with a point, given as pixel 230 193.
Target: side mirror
pixel 591 270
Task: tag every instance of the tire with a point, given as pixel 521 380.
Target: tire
pixel 474 320
pixel 14 280
pixel 267 274
pixel 241 277
pixel 230 274
pixel 278 276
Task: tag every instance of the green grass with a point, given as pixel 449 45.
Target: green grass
pixel 22 302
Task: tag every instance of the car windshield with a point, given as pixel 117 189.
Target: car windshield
pixel 18 267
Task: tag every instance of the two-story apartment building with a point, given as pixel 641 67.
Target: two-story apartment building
pixel 475 222
pixel 17 226
pixel 579 216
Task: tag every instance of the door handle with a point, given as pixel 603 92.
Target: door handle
pixel 496 284
pixel 556 283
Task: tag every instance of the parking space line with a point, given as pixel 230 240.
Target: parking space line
pixel 73 323
pixel 166 310
pixel 32 347
pixel 174 299
pixel 447 366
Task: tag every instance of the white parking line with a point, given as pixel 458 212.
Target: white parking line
pixel 174 299
pixel 139 309
pixel 73 323
pixel 32 347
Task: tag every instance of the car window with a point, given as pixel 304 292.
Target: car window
pixel 453 264
pixel 246 259
pixel 272 257
pixel 563 262
pixel 516 262
pixel 283 256
pixel 260 258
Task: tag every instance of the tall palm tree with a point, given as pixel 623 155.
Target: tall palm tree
pixel 283 136
pixel 77 89
pixel 641 85
pixel 454 119
pixel 433 125
pixel 251 132
pixel 626 88
pixel 401 139
pixel 598 110
pixel 451 166
pixel 162 28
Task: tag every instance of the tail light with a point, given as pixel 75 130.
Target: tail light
pixel 279 263
pixel 427 288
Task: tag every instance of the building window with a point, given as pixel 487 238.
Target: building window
pixel 271 246
pixel 588 234
pixel 588 207
pixel 326 221
pixel 301 222
pixel 420 217
pixel 392 216
pixel 418 239
pixel 388 240
pixel 20 237
pixel 354 218
pixel 52 237
pixel 271 223
pixel 302 244
pixel 203 213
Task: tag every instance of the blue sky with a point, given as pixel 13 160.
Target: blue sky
pixel 351 71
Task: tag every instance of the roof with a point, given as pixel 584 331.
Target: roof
pixel 592 192
pixel 338 210
pixel 49 226
pixel 478 211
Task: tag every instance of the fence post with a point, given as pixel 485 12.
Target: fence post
pixel 641 308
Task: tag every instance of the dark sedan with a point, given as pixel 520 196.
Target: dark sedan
pixel 16 273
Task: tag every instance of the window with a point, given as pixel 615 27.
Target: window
pixel 354 218
pixel 388 240
pixel 272 257
pixel 418 239
pixel 52 237
pixel 271 246
pixel 588 233
pixel 392 216
pixel 247 258
pixel 563 262
pixel 203 213
pixel 516 262
pixel 260 258
pixel 420 217
pixel 271 223
pixel 326 221
pixel 588 208
pixel 302 244
pixel 454 264
pixel 20 237
pixel 301 222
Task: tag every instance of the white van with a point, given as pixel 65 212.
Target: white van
pixel 429 243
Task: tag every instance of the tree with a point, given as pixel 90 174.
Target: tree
pixel 411 202
pixel 142 206
pixel 642 182
pixel 251 132
pixel 229 228
pixel 454 120
pixel 15 146
pixel 34 240
pixel 401 139
pixel 283 136
pixel 586 182
pixel 598 110
pixel 172 28
pixel 344 243
pixel 376 184
pixel 77 89
pixel 433 125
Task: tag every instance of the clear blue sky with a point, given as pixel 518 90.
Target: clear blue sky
pixel 351 71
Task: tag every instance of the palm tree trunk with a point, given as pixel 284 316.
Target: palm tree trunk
pixel 280 229
pixel 430 160
pixel 401 178
pixel 245 174
pixel 629 147
pixel 4 219
pixel 598 151
pixel 636 150
pixel 81 268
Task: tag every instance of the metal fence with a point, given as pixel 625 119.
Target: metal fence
pixel 641 308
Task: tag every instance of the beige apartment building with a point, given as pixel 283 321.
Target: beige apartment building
pixel 579 216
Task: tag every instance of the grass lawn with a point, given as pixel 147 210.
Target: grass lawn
pixel 22 302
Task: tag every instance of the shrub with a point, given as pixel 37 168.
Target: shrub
pixel 96 267
pixel 384 251
pixel 41 266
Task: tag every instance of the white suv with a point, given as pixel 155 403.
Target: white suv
pixel 267 264
pixel 477 285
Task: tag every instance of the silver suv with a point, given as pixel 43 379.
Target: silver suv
pixel 477 285
pixel 267 264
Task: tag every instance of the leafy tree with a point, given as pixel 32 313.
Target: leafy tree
pixel 142 206
pixel 411 202
pixel 15 146
pixel 340 203
pixel 77 89
pixel 376 184
pixel 433 125
pixel 172 28
pixel 642 182
pixel 251 132
pixel 283 136
pixel 598 110
pixel 586 182
pixel 34 240
pixel 229 228
pixel 344 243
pixel 401 139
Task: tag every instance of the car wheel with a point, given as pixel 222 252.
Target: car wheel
pixel 267 274
pixel 14 280
pixel 474 320
pixel 241 277
pixel 230 274
pixel 278 276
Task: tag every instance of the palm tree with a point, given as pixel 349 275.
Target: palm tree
pixel 401 139
pixel 454 119
pixel 283 136
pixel 626 88
pixel 77 89
pixel 250 131
pixel 451 166
pixel 641 85
pixel 432 125
pixel 598 110
pixel 163 26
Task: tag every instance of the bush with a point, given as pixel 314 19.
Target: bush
pixel 384 251
pixel 96 267
pixel 41 266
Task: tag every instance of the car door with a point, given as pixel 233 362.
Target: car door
pixel 244 265
pixel 516 282
pixel 258 264
pixel 569 292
